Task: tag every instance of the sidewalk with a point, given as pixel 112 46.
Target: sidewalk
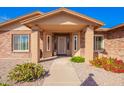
pixel 62 73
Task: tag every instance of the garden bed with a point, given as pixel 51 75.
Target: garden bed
pixel 109 64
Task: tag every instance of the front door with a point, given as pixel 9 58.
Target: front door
pixel 61 45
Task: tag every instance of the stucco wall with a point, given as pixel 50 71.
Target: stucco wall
pixel 63 18
pixel 89 38
pixel 35 49
pixel 45 52
pixel 81 44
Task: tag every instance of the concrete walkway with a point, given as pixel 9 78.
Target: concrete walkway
pixel 62 73
pixel 65 73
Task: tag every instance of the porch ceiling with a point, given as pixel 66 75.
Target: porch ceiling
pixel 62 28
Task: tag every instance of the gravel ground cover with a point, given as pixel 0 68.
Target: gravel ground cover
pixel 7 64
pixel 88 75
pixel 92 76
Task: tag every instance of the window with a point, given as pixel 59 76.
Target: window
pixel 20 43
pixel 68 41
pixel 48 42
pixel 98 43
pixel 75 42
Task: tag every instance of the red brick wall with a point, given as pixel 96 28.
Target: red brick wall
pixel 6 47
pixel 114 44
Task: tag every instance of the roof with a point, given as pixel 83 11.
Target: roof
pixel 117 27
pixel 26 18
pixel 70 12
pixel 102 29
pixel 36 13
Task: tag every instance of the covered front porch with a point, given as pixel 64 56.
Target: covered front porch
pixel 71 40
pixel 62 32
pixel 60 40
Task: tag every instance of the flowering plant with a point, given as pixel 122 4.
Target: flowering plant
pixel 109 64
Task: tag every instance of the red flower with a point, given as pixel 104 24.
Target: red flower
pixel 109 64
pixel 116 70
pixel 119 62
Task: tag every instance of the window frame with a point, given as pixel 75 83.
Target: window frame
pixel 99 50
pixel 48 48
pixel 20 50
pixel 67 42
pixel 76 42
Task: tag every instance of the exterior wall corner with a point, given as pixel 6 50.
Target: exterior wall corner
pixel 89 46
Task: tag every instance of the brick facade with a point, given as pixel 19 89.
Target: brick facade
pixel 6 47
pixel 113 44
pixel 38 30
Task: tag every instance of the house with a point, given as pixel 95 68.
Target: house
pixel 61 32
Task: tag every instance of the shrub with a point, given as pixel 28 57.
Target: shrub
pixel 96 62
pixel 26 72
pixel 4 84
pixel 99 61
pixel 109 64
pixel 78 59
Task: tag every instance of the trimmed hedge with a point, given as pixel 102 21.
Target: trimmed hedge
pixel 78 59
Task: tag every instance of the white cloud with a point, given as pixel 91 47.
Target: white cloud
pixel 4 18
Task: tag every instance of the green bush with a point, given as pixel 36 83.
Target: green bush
pixel 78 59
pixel 4 84
pixel 26 72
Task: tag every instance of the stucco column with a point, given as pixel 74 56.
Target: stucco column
pixel 89 47
pixel 35 50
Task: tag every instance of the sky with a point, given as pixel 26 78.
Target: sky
pixel 111 16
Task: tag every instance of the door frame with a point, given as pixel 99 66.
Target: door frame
pixel 59 46
pixel 55 46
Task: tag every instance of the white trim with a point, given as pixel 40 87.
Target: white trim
pixel 98 35
pixel 48 48
pixel 20 50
